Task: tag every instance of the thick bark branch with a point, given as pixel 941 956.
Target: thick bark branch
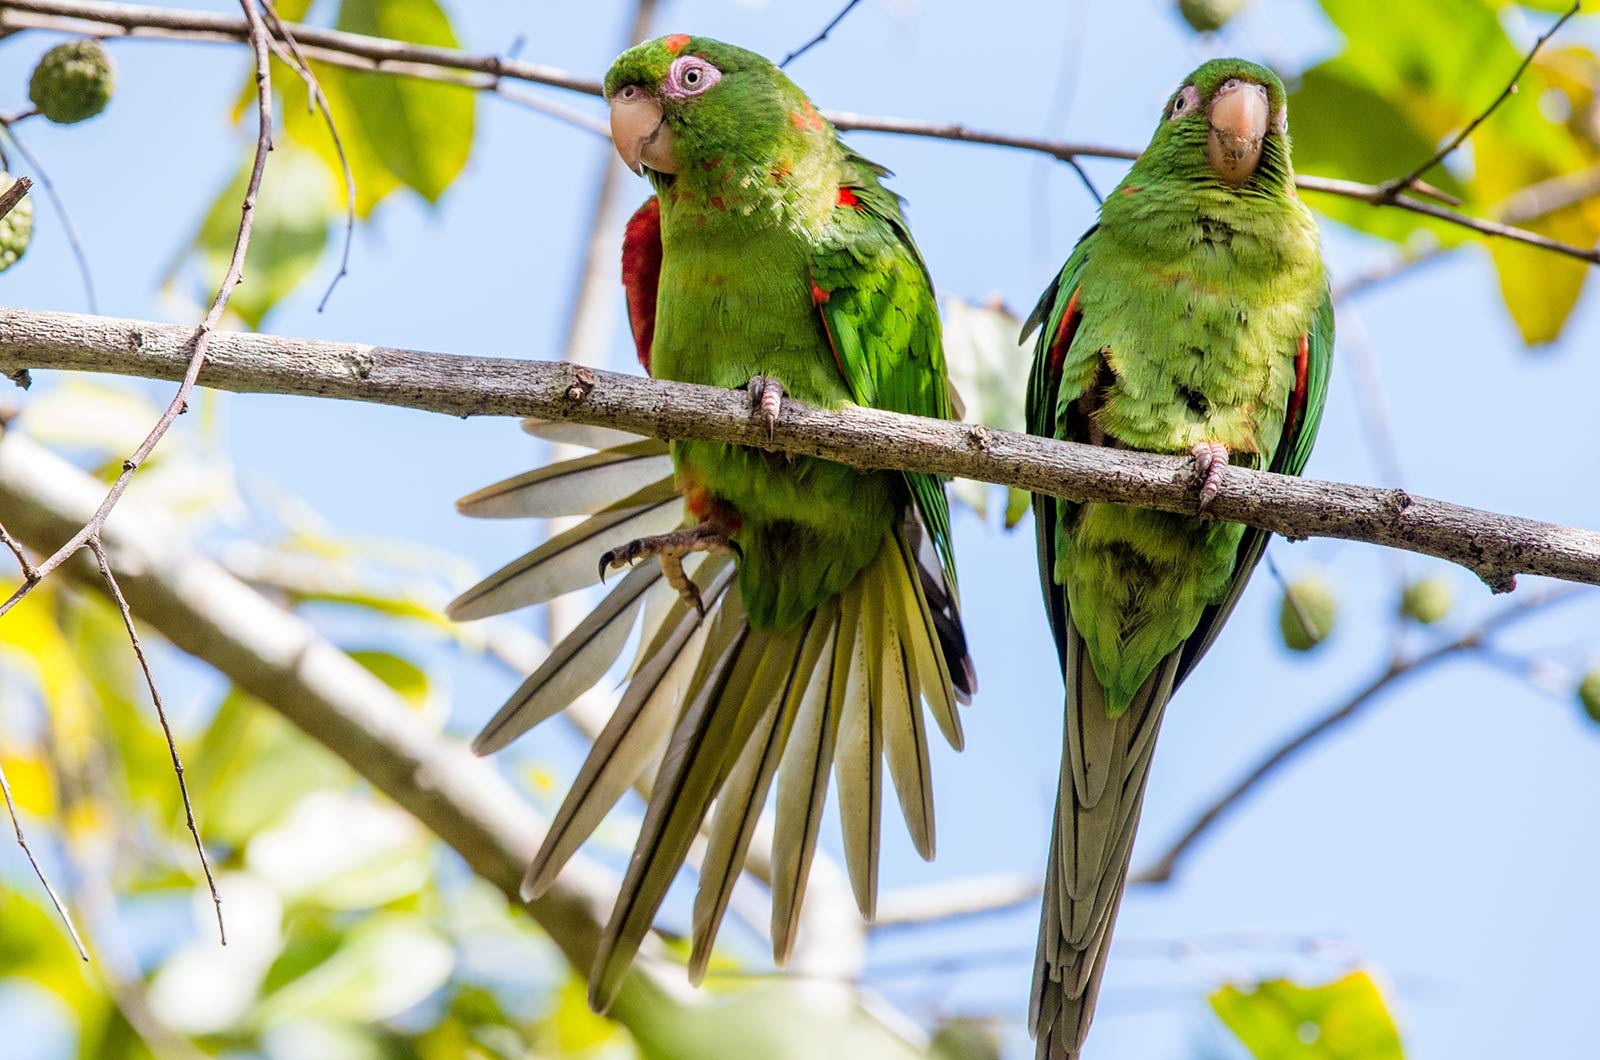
pixel 1495 547
pixel 290 667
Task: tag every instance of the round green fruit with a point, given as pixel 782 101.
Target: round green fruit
pixel 72 82
pixel 1589 694
pixel 16 227
pixel 1307 614
pixel 1208 16
pixel 1427 601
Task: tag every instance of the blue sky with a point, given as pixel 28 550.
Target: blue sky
pixel 1448 835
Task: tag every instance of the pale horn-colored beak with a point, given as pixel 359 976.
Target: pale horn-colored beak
pixel 640 133
pixel 1238 125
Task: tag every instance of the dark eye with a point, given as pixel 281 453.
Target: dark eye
pixel 1187 99
pixel 692 77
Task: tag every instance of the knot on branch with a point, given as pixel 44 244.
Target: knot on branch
pixel 978 438
pixel 21 378
pixel 1397 501
pixel 360 362
pixel 582 384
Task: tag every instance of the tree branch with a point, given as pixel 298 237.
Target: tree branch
pixel 1495 547
pixel 287 665
pixel 13 194
pixel 416 60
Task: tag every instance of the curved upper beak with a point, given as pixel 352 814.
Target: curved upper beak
pixel 641 134
pixel 1238 126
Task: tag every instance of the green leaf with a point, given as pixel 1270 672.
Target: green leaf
pixel 1342 1020
pixel 402 675
pixel 422 130
pixel 293 210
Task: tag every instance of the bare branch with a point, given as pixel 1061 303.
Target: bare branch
pixel 22 841
pixel 1162 869
pixel 1495 547
pixel 833 23
pixel 414 60
pixel 14 193
pixel 955 900
pixel 1391 189
pixel 166 728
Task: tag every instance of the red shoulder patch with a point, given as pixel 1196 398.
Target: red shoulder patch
pixel 848 198
pixel 676 43
pixel 641 274
pixel 1297 396
pixel 1064 334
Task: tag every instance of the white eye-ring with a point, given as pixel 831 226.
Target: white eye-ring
pixel 688 76
pixel 1186 100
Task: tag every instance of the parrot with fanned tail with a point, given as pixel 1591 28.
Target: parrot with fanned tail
pixel 797 614
pixel 1193 318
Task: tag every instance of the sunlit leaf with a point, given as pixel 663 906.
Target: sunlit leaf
pixel 387 964
pixel 1280 1020
pixel 422 130
pixel 298 200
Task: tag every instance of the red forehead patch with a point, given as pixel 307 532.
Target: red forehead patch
pixel 677 42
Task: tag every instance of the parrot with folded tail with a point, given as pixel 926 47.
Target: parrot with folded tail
pixel 797 614
pixel 1193 318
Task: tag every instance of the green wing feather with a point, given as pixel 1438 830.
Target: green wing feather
pixel 882 320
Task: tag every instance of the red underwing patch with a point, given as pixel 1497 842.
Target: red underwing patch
pixel 1297 397
pixel 818 295
pixel 1064 334
pixel 848 198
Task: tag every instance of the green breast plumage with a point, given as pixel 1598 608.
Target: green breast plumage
pixel 1192 313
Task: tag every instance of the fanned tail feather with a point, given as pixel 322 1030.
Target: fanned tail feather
pixel 1105 763
pixel 730 712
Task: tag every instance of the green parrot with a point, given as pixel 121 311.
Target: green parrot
pixel 800 612
pixel 1193 318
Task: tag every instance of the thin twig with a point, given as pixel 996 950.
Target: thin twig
pixel 833 23
pixel 412 60
pixel 1162 869
pixel 15 192
pixel 22 841
pixel 89 535
pixel 1496 547
pixel 1391 189
pixel 28 573
pixel 319 101
pixel 73 240
pixel 201 338
pixel 161 714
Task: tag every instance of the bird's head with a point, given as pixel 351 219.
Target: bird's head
pixel 678 102
pixel 1227 122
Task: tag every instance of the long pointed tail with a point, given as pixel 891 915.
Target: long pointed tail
pixel 1105 762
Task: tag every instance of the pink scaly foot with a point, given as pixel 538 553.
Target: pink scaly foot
pixel 670 550
pixel 766 399
pixel 1210 465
